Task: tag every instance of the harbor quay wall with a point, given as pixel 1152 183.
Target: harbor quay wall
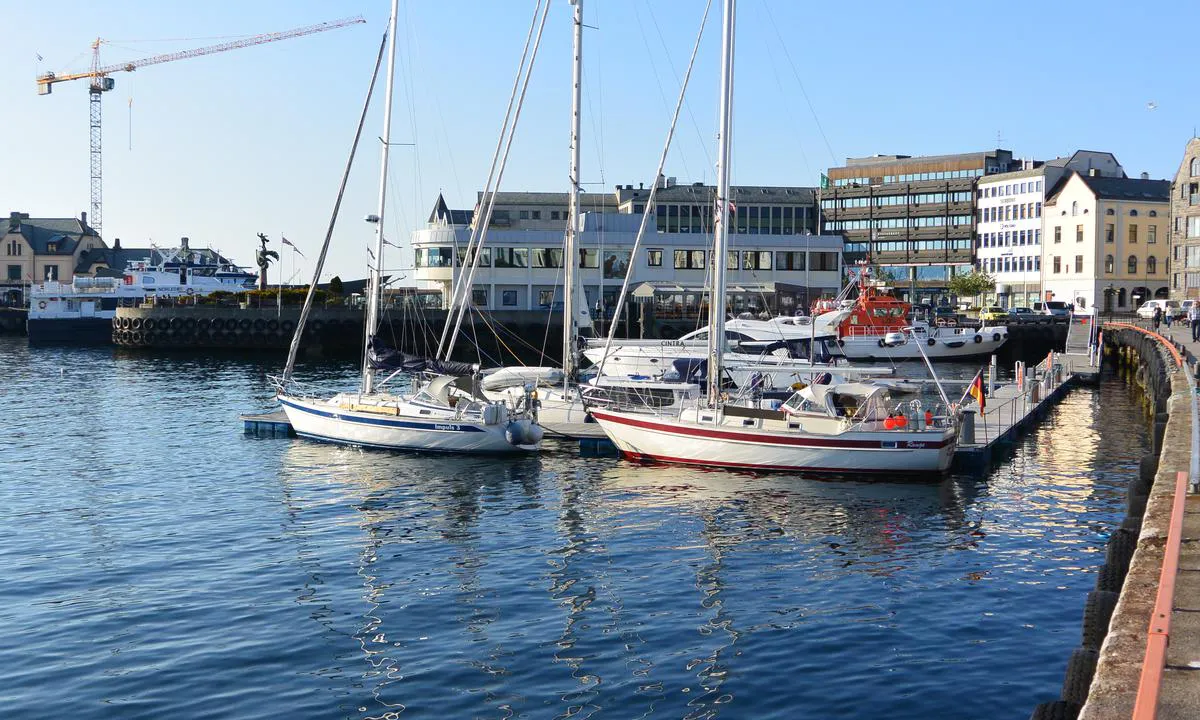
pixel 337 331
pixel 1103 674
pixel 12 320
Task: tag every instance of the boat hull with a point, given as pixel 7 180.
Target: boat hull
pixel 318 420
pixel 939 346
pixel 667 439
pixel 70 330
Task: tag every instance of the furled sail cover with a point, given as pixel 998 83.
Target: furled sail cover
pixel 383 357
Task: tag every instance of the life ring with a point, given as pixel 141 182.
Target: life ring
pixel 931 342
pixel 41 305
pixel 978 338
pixel 996 337
pixel 191 291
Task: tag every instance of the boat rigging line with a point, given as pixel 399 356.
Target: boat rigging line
pixel 649 210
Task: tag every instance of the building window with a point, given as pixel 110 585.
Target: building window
pixel 508 298
pixel 589 258
pixel 1153 213
pixel 1133 213
pixel 1195 166
pixel 485 259
pixel 524 215
pixel 756 260
pixel 639 209
pixel 479 297
pixel 1132 265
pixel 689 259
pixel 554 215
pixel 1193 226
pixel 50 273
pixel 1151 265
pixel 14 248
pixel 1132 233
pixel 512 257
pixel 1057 264
pixel 14 272
pixel 654 257
pixel 1109 232
pixel 545 298
pixel 537 214
pixel 1057 234
pixel 547 257
pixel 789 260
pixel 1078 233
pixel 1074 207
pixel 1110 211
pixel 1110 264
pixel 435 257
pixel 1078 263
pixel 1152 235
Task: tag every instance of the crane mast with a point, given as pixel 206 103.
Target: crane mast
pixel 100 83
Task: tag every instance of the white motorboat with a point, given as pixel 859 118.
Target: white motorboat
pixel 840 428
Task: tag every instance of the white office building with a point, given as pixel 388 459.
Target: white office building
pixel 770 269
pixel 1009 222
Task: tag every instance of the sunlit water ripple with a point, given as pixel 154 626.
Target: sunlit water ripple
pixel 157 563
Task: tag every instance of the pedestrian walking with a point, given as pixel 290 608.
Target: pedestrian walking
pixel 1193 316
pixel 1157 317
pixel 1167 318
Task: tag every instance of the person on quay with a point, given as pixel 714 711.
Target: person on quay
pixel 1157 317
pixel 1193 316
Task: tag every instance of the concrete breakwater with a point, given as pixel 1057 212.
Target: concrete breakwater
pixel 532 337
pixel 335 332
pixel 1102 674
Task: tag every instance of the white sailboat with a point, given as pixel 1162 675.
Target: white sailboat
pixel 850 427
pixel 433 418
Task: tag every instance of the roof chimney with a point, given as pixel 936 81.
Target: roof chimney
pixel 117 244
pixel 1145 176
pixel 183 243
pixel 83 219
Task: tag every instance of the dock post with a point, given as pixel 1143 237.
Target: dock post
pixel 992 376
pixel 966 435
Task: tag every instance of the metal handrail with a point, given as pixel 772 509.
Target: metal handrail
pixel 1159 634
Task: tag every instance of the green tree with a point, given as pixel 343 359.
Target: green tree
pixel 335 285
pixel 972 284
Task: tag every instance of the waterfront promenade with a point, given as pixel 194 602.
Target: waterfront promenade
pixel 1120 676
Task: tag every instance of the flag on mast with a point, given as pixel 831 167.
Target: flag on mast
pixel 290 244
pixel 976 389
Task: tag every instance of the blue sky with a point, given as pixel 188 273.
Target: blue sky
pixel 222 147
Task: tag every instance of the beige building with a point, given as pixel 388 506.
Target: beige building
pixel 1105 242
pixel 1185 224
pixel 34 250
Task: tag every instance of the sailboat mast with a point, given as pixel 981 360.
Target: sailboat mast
pixel 716 310
pixel 571 261
pixel 376 276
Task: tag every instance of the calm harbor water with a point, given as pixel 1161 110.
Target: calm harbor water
pixel 158 563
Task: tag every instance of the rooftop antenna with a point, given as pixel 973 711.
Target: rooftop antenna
pixel 999 139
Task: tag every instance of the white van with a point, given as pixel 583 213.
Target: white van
pixel 1168 307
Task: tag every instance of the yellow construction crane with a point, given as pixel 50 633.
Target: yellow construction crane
pixel 101 83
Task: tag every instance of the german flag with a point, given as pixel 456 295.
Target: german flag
pixel 976 389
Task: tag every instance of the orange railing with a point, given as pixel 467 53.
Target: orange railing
pixel 1159 634
pixel 1164 340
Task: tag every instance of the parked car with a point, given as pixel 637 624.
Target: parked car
pixel 993 314
pixel 1022 315
pixel 1171 307
pixel 1056 309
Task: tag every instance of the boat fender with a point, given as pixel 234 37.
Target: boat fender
pixel 931 342
pixel 260 324
pixel 176 322
pixel 189 323
pixel 272 325
pixel 523 432
pixel 246 323
pixel 149 324
pixel 136 324
pixel 136 337
pixel 41 305
pixel 996 337
pixel 287 325
pixel 978 338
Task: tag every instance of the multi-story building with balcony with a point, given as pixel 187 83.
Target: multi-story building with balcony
pixel 913 217
pixel 1104 241
pixel 1008 226
pixel 1185 224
